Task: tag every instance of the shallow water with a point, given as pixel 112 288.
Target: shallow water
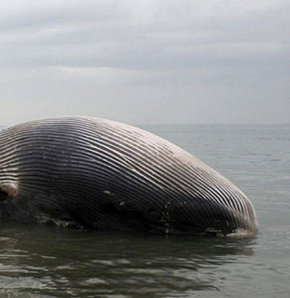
pixel 42 261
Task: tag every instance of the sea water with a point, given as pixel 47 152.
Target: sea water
pixel 43 261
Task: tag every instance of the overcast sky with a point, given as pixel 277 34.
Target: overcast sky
pixel 139 62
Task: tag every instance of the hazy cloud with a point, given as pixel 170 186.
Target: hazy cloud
pixel 152 62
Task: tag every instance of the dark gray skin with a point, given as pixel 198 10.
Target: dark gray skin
pixel 111 176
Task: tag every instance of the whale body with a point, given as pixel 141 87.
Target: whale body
pixel 111 176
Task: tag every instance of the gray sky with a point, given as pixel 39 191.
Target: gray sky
pixel 168 61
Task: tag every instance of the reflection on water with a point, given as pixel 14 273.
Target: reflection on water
pixel 60 262
pixel 41 261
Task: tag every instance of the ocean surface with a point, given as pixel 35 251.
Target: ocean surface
pixel 42 261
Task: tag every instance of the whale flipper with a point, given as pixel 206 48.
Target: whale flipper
pixel 9 189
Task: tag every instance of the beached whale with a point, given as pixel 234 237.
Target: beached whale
pixel 111 176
